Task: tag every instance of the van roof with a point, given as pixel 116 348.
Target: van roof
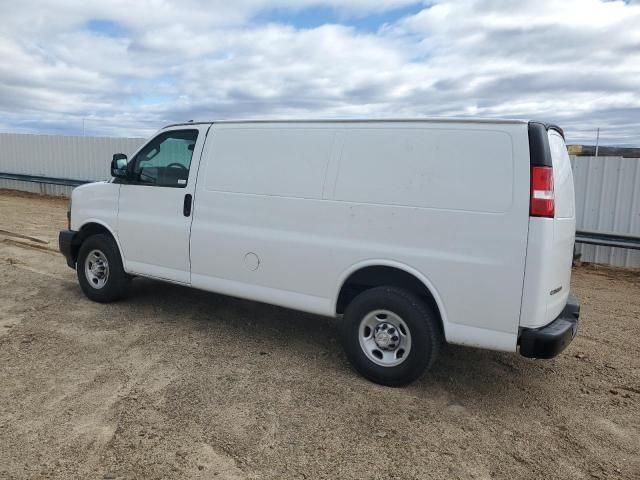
pixel 361 120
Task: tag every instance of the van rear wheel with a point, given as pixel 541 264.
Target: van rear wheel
pixel 100 272
pixel 390 335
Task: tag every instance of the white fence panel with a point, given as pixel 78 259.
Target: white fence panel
pixel 608 200
pixel 77 158
pixel 41 188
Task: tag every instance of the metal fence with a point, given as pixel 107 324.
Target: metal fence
pixel 62 157
pixel 607 188
pixel 608 200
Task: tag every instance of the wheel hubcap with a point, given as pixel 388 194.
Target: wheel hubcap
pixel 96 269
pixel 384 338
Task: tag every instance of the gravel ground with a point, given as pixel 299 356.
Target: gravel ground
pixel 177 383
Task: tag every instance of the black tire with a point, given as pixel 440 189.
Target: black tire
pixel 418 317
pixel 117 281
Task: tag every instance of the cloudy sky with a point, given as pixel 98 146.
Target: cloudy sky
pixel 128 68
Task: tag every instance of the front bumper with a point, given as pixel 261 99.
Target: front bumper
pixel 68 246
pixel 549 341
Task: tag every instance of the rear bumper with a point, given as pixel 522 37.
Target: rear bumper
pixel 549 341
pixel 68 246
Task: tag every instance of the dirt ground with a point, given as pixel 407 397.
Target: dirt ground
pixel 177 383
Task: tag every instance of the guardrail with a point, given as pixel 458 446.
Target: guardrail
pixel 68 182
pixel 604 239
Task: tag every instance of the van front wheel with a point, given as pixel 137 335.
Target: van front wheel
pixel 100 271
pixel 390 335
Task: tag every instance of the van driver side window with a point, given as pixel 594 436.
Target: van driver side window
pixel 166 160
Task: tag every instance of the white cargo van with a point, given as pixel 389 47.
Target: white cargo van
pixel 411 232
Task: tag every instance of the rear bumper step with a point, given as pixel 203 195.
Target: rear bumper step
pixel 550 340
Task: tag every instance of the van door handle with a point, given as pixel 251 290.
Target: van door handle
pixel 186 206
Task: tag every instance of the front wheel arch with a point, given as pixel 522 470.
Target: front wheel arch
pixel 89 229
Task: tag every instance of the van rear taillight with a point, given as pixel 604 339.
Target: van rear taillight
pixel 542 198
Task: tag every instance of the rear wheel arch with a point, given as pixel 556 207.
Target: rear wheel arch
pixel 389 274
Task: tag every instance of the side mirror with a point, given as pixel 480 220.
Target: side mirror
pixel 119 165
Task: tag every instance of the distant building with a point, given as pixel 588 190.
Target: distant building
pixel 590 151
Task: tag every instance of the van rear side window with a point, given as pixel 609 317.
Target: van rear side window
pixel 445 169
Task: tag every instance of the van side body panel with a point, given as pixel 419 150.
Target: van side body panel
pixel 96 203
pixel 284 212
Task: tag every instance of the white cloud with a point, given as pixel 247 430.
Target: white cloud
pixel 575 62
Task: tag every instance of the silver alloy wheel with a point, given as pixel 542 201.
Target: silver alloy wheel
pixel 96 269
pixel 384 338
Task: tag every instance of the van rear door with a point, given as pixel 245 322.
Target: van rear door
pixel 552 226
pixel 564 227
